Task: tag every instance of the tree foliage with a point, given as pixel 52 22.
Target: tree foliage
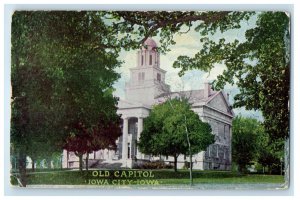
pixel 247 137
pixel 271 154
pixel 59 79
pixel 84 140
pixel 164 131
pixel 251 144
pixel 134 28
pixel 260 66
pixel 34 124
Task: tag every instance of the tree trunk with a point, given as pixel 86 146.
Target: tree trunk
pixel 32 164
pixel 270 169
pixel 87 162
pixel 22 179
pixel 191 168
pixel 190 151
pixel 61 163
pixel 49 163
pixel 242 168
pixel 80 161
pixel 175 162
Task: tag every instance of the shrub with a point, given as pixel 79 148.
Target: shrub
pixel 154 165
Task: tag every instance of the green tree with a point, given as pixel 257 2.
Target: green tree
pixel 247 138
pixel 165 131
pixel 34 122
pixel 59 79
pixel 271 154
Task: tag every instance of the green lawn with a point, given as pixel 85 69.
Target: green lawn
pixel 230 180
pixel 164 177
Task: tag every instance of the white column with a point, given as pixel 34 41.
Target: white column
pixel 65 158
pixel 145 58
pixel 230 145
pixel 125 139
pixel 139 55
pixel 158 60
pixel 139 131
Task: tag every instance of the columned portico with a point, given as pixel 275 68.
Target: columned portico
pixel 133 114
pixel 130 137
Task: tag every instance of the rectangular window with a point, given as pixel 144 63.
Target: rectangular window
pixel 142 60
pixel 128 151
pixel 217 128
pixel 158 77
pixel 150 60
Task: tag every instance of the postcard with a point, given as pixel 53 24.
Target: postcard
pixel 150 99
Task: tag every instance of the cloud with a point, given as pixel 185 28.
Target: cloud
pixel 189 40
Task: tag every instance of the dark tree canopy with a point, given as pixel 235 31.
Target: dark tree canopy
pixel 271 153
pixel 59 79
pixel 84 140
pixel 247 137
pixel 251 144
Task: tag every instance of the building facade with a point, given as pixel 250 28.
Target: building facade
pixel 146 88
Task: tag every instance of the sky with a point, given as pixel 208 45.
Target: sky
pixel 188 44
